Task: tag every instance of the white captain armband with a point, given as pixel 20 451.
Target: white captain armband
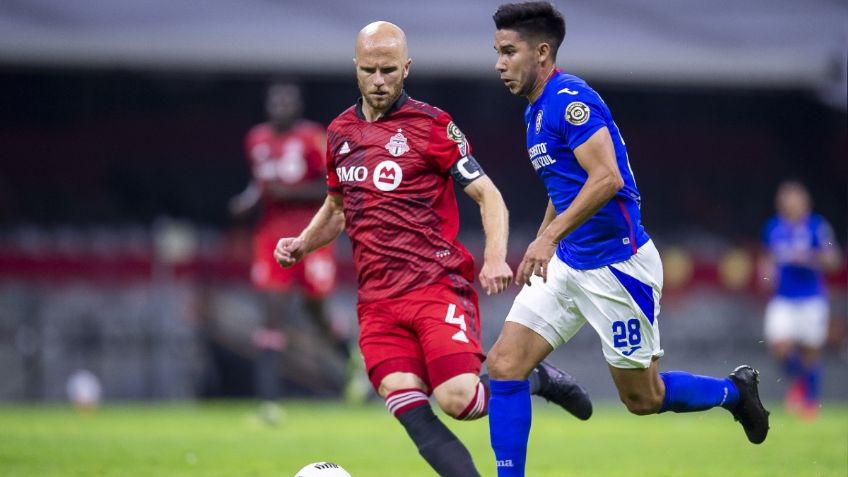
pixel 466 170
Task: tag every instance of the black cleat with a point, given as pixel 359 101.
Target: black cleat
pixel 750 411
pixel 562 389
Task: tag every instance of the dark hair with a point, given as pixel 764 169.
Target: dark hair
pixel 538 21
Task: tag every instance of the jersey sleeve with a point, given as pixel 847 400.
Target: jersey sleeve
pixel 822 234
pixel 316 155
pixel 768 228
pixel 583 113
pixel 333 185
pixel 447 143
pixel 249 140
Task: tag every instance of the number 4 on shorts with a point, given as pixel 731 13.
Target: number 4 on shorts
pixel 456 320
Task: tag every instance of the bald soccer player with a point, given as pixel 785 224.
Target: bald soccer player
pixel 391 161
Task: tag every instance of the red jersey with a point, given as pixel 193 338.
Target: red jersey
pixel 286 158
pixel 399 203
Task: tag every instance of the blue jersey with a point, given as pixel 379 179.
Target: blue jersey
pixel 567 114
pixel 795 248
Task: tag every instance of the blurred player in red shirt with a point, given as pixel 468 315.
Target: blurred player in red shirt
pixel 286 159
pixel 392 164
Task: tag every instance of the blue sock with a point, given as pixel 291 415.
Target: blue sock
pixel 792 366
pixel 510 415
pixel 812 379
pixel 685 392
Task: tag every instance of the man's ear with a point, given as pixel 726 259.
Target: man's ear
pixel 406 67
pixel 543 51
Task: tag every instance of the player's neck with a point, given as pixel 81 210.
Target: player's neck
pixel 370 113
pixel 281 126
pixel 541 81
pixel 796 218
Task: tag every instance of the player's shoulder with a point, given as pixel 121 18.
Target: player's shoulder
pixel 346 117
pixel 816 219
pixel 258 134
pixel 260 130
pixel 773 228
pixel 819 224
pixel 772 222
pixel 567 88
pixel 422 109
pixel 306 126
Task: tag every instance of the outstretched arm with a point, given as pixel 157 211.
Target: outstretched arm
pixel 597 157
pixel 325 226
pixel 246 200
pixel 495 274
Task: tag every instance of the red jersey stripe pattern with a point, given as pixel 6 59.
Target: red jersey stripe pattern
pixel 399 203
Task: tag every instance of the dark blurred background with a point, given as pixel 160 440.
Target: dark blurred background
pixel 121 138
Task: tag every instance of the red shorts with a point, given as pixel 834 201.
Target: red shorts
pixel 433 332
pixel 315 274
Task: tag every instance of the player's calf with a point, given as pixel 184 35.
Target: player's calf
pixel 435 442
pixel 642 404
pixel 517 363
pixel 410 406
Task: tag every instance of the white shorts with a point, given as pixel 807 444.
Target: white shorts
pixel 621 302
pixel 798 320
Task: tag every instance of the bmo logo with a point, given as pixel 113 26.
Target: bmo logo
pixel 352 174
pixel 387 176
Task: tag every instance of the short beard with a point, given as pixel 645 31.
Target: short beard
pixel 389 103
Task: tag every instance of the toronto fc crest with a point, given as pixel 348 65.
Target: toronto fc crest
pixel 397 145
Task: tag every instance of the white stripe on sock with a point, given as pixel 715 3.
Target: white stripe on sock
pixel 397 401
pixel 479 403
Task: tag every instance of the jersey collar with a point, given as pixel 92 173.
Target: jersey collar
pixel 397 105
pixel 553 74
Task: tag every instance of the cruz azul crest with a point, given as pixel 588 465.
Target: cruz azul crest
pixel 397 145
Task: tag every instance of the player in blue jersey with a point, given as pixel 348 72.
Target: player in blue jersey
pixel 592 260
pixel 800 246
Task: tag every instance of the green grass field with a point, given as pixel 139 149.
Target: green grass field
pixel 225 439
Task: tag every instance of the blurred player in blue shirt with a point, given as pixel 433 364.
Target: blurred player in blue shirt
pixel 800 247
pixel 592 260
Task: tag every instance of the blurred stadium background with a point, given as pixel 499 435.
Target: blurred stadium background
pixel 121 132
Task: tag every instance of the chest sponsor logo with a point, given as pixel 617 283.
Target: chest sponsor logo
pixel 539 121
pixel 352 174
pixel 387 176
pixel 397 144
pixel 577 113
pixel 539 156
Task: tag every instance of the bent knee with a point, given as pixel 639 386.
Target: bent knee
pixel 399 381
pixel 508 364
pixel 454 399
pixel 642 404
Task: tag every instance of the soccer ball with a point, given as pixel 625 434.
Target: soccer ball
pixel 322 469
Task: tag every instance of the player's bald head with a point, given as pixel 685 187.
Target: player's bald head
pixel 382 64
pixel 383 37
